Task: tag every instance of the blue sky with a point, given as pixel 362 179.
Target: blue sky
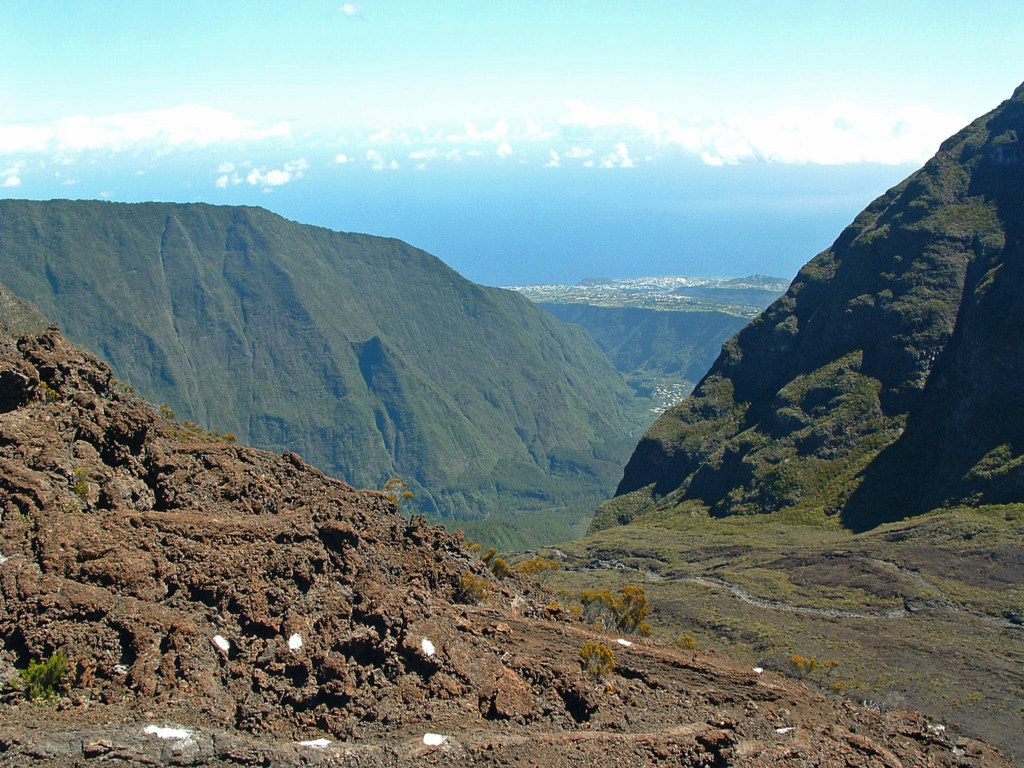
pixel 518 141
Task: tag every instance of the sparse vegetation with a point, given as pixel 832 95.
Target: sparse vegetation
pixel 81 485
pixel 598 660
pixel 47 394
pixel 397 491
pixel 472 589
pixel 189 430
pixel 42 680
pixel 539 568
pixel 624 610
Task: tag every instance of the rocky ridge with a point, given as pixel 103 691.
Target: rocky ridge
pixel 221 605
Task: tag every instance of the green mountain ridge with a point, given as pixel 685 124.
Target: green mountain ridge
pixel 365 355
pixel 667 342
pixel 661 352
pixel 886 381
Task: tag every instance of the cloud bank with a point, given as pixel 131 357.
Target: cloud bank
pixel 184 126
pixel 584 136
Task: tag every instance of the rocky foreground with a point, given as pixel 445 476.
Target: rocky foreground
pixel 226 606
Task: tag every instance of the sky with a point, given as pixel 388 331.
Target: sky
pixel 520 142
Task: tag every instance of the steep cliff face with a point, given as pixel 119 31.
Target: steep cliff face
pixel 366 355
pixel 887 380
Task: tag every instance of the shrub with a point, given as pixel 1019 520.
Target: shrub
pixel 397 491
pixel 47 394
pixel 500 568
pixel 686 642
pixel 624 611
pixel 472 589
pixel 537 567
pixel 803 665
pixel 598 660
pixel 81 486
pixel 632 607
pixel 42 679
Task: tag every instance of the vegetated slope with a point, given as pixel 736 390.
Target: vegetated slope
pixel 652 345
pixel 19 315
pixel 368 356
pixel 220 605
pixel 887 380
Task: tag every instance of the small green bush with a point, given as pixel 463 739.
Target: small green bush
pixel 47 394
pixel 537 567
pixel 397 491
pixel 624 611
pixel 81 486
pixel 500 568
pixel 472 589
pixel 42 679
pixel 598 660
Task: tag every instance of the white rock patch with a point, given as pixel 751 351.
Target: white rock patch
pixel 3 559
pixel 221 642
pixel 785 730
pixel 758 670
pixel 316 743
pixel 624 643
pixel 428 647
pixel 434 739
pixel 295 642
pixel 178 734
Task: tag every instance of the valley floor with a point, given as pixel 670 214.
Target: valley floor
pixel 925 614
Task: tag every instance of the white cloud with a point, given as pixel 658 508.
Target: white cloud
pixel 379 161
pixel 504 149
pixel 379 136
pixel 352 10
pixel 12 176
pixel 275 177
pixel 840 133
pixel 342 158
pixel 834 134
pixel 424 154
pixel 555 161
pixel 271 178
pixel 186 126
pixel 619 158
pixel 582 115
pixel 473 135
pixel 576 153
pixel 225 168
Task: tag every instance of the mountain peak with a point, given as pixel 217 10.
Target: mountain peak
pixel 885 382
